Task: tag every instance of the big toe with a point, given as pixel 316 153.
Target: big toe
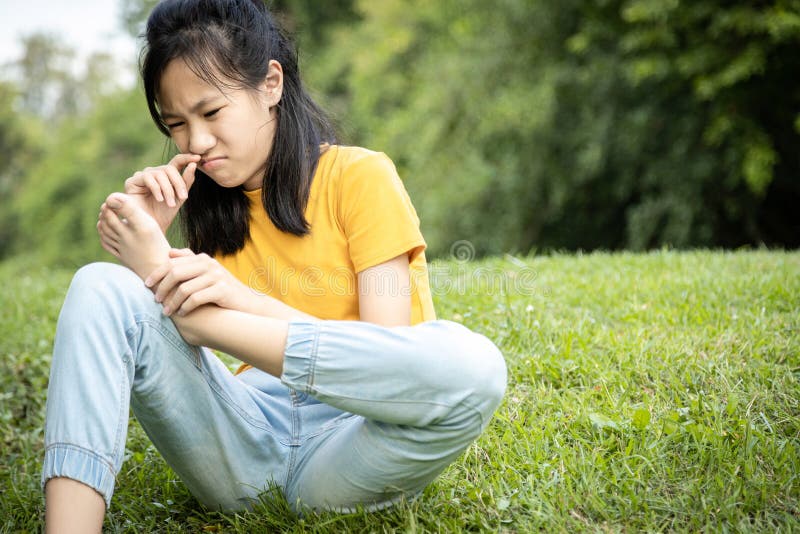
pixel 126 210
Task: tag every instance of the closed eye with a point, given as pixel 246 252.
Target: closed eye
pixel 174 125
pixel 211 113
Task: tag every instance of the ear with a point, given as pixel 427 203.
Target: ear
pixel 273 83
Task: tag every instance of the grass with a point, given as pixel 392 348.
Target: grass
pixel 646 392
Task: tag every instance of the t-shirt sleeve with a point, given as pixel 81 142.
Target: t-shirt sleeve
pixel 376 213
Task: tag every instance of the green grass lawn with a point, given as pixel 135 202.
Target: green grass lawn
pixel 646 392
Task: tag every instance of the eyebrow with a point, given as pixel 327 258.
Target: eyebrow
pixel 194 109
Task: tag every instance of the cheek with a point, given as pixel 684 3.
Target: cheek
pixel 179 141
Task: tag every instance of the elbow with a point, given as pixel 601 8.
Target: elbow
pixel 184 327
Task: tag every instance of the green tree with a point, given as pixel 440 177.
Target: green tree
pixel 19 148
pixel 611 124
pixel 717 84
pixel 43 72
pixel 59 199
pixel 515 124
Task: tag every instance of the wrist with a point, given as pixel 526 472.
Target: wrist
pixel 251 301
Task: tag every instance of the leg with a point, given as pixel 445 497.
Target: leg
pixel 422 395
pixel 73 507
pixel 113 349
pixel 141 246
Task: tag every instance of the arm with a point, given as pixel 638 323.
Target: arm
pixel 384 297
pixel 254 339
pixel 384 293
pixel 188 281
pixel 257 337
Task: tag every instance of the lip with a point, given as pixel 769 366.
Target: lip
pixel 211 163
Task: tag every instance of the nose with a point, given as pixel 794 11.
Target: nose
pixel 201 140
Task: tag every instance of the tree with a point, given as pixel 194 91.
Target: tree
pixel 58 201
pixel 43 72
pixel 580 124
pixel 19 150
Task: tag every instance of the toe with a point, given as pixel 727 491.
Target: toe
pixel 125 210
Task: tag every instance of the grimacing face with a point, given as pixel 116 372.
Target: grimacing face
pixel 232 130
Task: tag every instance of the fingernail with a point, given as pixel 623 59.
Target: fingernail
pixel 148 282
pixel 166 310
pixel 183 194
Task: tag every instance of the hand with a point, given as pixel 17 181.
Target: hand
pixel 189 280
pixel 161 191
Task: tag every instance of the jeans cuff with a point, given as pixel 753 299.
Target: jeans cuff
pixel 300 355
pixel 70 461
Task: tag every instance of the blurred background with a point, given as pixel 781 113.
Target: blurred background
pixel 517 125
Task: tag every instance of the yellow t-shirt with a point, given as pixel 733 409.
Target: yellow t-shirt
pixel 360 216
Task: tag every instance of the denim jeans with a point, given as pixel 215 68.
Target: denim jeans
pixel 362 414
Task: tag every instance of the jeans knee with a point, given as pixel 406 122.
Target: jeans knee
pixel 488 377
pixel 476 374
pixel 94 274
pixel 105 280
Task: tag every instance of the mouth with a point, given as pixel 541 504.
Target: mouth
pixel 211 163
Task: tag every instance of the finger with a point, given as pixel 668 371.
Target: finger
pixel 198 298
pixel 176 180
pixel 161 271
pixel 185 295
pixel 188 174
pixel 182 160
pixel 185 257
pixel 153 185
pixel 135 184
pixel 178 274
pixel 180 252
pixel 156 275
pixel 167 190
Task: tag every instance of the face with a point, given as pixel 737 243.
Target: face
pixel 231 129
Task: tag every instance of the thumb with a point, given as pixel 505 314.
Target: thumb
pixel 188 174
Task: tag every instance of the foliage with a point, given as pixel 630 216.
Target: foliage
pixel 50 87
pixel 19 146
pixel 576 124
pixel 58 203
pixel 134 15
pixel 515 124
pixel 650 393
pixel 68 138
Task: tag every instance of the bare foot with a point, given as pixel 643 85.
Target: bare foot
pixel 132 235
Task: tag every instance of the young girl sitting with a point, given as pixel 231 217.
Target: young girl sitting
pixel 305 261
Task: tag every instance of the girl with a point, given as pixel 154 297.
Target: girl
pixel 305 261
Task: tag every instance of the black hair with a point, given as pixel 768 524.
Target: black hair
pixel 229 43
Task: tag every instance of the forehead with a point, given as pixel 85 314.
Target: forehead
pixel 180 88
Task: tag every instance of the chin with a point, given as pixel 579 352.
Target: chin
pixel 224 182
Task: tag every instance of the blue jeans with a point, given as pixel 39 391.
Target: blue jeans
pixel 362 414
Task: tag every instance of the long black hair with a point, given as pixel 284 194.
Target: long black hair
pixel 229 43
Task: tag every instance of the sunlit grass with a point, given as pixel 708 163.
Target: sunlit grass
pixel 646 392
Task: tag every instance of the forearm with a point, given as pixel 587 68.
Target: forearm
pixel 254 339
pixel 266 306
